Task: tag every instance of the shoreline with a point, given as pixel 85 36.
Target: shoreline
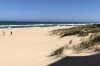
pixel 38 27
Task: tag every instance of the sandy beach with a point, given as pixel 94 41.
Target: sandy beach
pixel 30 46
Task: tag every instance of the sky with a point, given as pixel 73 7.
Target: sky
pixel 50 10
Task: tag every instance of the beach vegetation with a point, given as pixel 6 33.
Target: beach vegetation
pixel 58 52
pixel 70 42
pixel 94 39
pixel 82 30
pixel 90 43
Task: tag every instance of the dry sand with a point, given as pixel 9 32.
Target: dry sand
pixel 29 46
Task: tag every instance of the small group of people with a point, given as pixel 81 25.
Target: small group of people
pixel 4 33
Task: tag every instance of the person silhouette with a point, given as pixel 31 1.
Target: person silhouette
pixel 11 32
pixel 3 33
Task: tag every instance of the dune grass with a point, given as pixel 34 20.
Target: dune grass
pixel 94 39
pixel 70 42
pixel 83 30
pixel 58 52
pixel 91 43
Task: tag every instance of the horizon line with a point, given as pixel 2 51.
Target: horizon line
pixel 46 21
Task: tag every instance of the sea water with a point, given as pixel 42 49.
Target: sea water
pixel 24 24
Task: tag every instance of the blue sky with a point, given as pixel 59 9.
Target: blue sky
pixel 50 10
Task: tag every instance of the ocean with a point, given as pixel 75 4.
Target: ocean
pixel 15 24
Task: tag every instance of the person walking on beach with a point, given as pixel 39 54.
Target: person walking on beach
pixel 3 33
pixel 11 32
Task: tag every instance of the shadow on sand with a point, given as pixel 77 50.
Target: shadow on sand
pixel 93 60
